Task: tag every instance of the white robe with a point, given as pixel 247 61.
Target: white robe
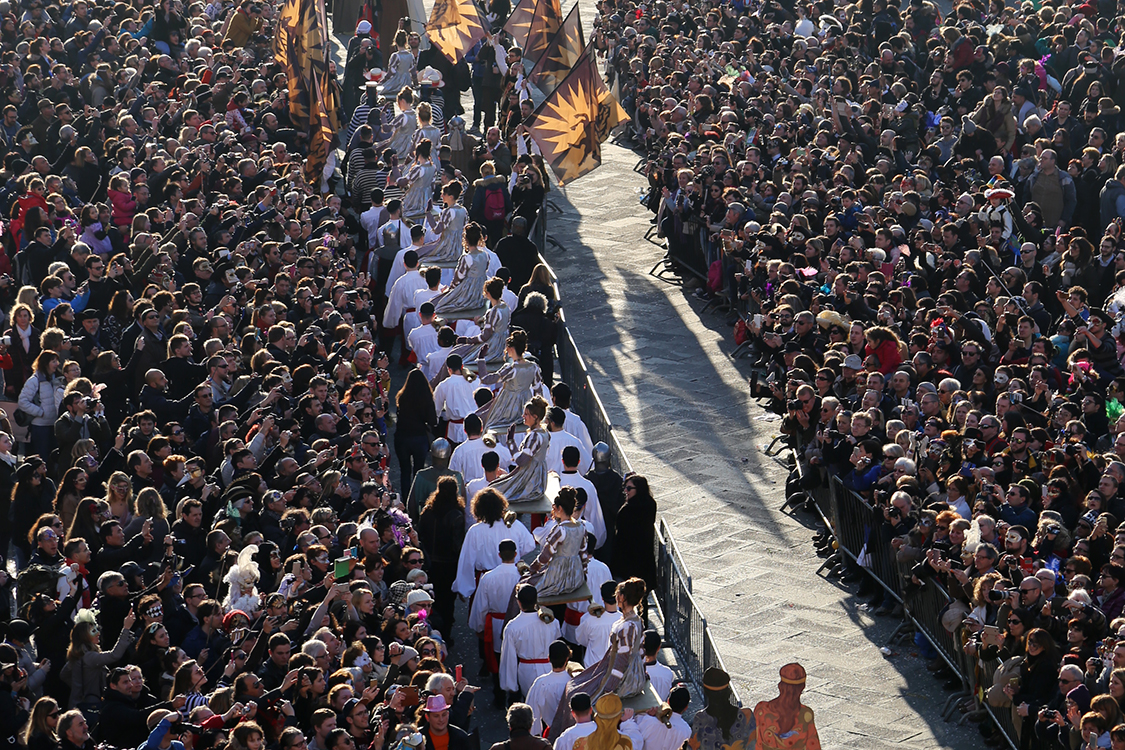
pixel 593 510
pixel 593 634
pixel 662 679
pixel 575 426
pixel 526 637
pixel 481 551
pixel 401 297
pixel 567 739
pixel 544 697
pixel 494 592
pixel 412 320
pixel 422 340
pixel 597 573
pixel 659 737
pixel 434 362
pixel 453 400
pixel 466 458
pixel 560 440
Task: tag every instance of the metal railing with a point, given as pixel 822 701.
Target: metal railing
pixel 685 627
pixel 857 527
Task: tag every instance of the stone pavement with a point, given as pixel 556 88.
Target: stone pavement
pixel 684 416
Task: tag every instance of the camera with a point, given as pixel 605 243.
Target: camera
pixel 997 596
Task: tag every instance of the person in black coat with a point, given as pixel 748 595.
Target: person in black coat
pixel 121 720
pixel 542 332
pixel 14 711
pixel 634 535
pixel 441 531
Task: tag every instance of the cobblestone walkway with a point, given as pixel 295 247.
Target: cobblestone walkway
pixel 684 416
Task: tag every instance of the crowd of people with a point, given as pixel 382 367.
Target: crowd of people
pixel 206 541
pixel 914 220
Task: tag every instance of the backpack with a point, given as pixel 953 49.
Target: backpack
pixel 495 206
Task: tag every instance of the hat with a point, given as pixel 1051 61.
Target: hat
pixel 608 707
pixel 1000 192
pixel 968 125
pixel 715 679
pixel 1107 106
pixel 20 630
pixel 130 569
pixel 853 362
pixel 418 596
pixel 792 347
pixel 793 674
pixel 435 704
pixel 829 318
pixel 431 76
pixel 363 27
pixel 224 70
pixel 88 314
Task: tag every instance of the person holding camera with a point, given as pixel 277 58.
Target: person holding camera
pixel 83 419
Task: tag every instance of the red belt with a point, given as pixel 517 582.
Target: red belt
pixel 409 310
pixel 456 421
pixel 534 661
pixel 490 659
pixel 572 616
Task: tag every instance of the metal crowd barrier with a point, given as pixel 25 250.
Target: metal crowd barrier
pixel 855 525
pixel 685 627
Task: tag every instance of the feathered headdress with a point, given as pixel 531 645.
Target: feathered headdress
pixel 245 571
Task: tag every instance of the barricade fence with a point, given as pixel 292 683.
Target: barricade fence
pixel 860 531
pixel 685 627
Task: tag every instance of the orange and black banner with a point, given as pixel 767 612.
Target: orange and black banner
pixel 301 47
pixel 571 123
pixel 560 55
pixel 455 27
pixel 545 23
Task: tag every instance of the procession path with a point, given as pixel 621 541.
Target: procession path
pixel 685 418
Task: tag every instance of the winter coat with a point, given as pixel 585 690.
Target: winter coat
pixel 87 676
pixel 46 411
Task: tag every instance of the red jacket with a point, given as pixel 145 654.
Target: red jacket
pixel 889 356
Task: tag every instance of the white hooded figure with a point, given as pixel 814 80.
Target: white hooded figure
pixel 242 579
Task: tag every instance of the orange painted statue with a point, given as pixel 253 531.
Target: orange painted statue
pixel 784 723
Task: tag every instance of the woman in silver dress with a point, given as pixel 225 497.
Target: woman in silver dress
pixel 419 183
pixel 401 67
pixel 403 126
pixel 451 227
pixel 466 291
pixel 519 380
pixel 528 481
pixel 622 670
pixel 428 131
pixel 560 567
pixel 488 345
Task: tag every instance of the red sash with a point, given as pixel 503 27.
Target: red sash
pixel 534 661
pixel 490 659
pixel 572 616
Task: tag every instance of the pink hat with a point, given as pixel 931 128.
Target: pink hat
pixel 435 704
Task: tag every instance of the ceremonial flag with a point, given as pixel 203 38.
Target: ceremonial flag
pixel 560 55
pixel 519 23
pixel 545 23
pixel 301 47
pixel 572 122
pixel 455 27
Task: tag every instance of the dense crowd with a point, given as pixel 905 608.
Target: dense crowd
pixel 206 541
pixel 915 220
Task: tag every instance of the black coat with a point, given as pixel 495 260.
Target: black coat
pixel 634 539
pixel 121 721
pixel 458 739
